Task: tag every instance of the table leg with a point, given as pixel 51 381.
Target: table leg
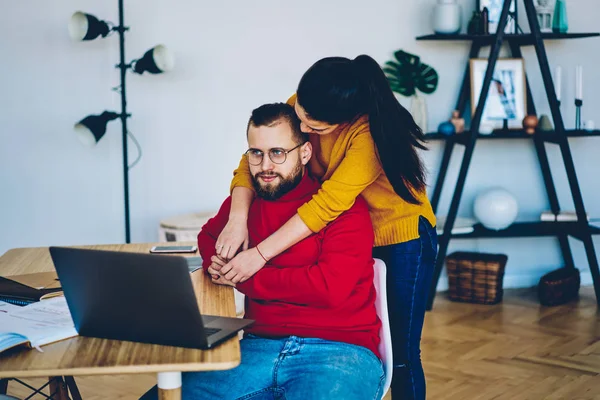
pixel 3 386
pixel 73 389
pixel 169 386
pixel 58 388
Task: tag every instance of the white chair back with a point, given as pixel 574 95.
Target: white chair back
pixel 385 344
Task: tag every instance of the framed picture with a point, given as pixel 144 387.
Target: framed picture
pixel 507 96
pixel 495 9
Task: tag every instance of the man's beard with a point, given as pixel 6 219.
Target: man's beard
pixel 272 192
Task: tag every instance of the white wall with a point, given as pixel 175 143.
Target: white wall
pixel 232 57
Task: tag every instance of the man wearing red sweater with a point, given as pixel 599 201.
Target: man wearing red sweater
pixel 316 331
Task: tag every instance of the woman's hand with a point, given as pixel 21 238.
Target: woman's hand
pixel 232 237
pixel 243 266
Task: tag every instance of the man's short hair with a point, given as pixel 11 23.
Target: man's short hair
pixel 272 114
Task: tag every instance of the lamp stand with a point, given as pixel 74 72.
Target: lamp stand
pixel 123 69
pixel 156 60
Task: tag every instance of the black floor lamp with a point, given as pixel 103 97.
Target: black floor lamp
pixel 156 60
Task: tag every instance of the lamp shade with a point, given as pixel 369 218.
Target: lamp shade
pixel 91 129
pixel 87 27
pixel 156 60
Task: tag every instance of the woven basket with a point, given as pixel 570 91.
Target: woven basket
pixel 559 286
pixel 475 277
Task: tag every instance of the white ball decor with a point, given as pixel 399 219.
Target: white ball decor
pixel 496 208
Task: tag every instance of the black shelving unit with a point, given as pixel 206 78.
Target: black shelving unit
pixel 579 229
pixel 524 39
pixel 528 229
pixel 510 134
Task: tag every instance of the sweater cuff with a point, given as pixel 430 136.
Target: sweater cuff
pixel 244 287
pixel 310 218
pixel 239 182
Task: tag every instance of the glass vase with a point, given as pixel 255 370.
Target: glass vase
pixel 559 22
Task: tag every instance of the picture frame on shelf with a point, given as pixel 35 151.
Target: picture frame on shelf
pixel 494 10
pixel 507 96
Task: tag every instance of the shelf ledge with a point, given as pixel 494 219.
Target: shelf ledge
pixel 461 138
pixel 529 229
pixel 523 39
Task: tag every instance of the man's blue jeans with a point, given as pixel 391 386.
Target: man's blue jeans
pixel 290 368
pixel 409 271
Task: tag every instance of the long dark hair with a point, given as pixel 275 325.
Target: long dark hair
pixel 336 90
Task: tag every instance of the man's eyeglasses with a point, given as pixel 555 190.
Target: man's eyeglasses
pixel 277 154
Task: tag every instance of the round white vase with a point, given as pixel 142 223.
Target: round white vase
pixel 447 15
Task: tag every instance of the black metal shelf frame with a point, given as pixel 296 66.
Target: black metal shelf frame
pixel 528 229
pixel 550 137
pixel 579 229
pixel 523 39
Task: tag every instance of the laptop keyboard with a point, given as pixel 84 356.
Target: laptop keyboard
pixel 211 331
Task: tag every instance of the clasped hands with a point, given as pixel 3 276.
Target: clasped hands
pixel 237 270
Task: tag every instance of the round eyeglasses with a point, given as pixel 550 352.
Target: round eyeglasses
pixel 277 155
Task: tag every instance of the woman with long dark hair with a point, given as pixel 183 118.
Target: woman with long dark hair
pixel 364 143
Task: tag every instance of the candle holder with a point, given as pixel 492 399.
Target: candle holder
pixel 578 104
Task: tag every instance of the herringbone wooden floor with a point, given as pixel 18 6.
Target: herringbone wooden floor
pixel 516 350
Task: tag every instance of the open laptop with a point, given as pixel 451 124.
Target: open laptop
pixel 145 298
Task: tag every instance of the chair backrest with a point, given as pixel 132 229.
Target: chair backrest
pixel 385 344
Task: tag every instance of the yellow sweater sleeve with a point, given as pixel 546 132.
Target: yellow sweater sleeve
pixel 241 176
pixel 359 168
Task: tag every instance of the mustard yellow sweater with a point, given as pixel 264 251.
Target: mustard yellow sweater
pixel 346 163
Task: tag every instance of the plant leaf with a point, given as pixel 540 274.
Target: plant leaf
pixel 407 74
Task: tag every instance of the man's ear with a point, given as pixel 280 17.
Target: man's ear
pixel 305 153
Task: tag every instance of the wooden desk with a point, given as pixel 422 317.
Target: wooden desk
pixel 90 356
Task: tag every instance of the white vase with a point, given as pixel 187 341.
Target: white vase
pixel 418 110
pixel 447 17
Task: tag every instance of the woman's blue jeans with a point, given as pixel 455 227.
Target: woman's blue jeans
pixel 290 368
pixel 409 271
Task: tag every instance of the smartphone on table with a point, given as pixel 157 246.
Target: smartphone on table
pixel 173 249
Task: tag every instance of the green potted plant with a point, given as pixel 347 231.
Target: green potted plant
pixel 408 76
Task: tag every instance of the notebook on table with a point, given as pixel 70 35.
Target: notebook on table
pixel 35 325
pixel 26 289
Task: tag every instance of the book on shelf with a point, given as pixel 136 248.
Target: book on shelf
pixel 29 288
pixel 461 225
pixel 36 324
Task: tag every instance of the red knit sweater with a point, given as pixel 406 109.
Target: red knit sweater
pixel 322 287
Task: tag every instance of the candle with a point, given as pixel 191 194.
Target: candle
pixel 579 82
pixel 558 81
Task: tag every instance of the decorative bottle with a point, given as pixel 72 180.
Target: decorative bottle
pixel 560 23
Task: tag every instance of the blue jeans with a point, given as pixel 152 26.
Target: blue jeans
pixel 290 368
pixel 409 272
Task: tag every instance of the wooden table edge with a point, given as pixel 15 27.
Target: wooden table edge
pixel 120 370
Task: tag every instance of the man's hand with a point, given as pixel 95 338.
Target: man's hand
pixel 217 262
pixel 232 237
pixel 218 279
pixel 243 266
